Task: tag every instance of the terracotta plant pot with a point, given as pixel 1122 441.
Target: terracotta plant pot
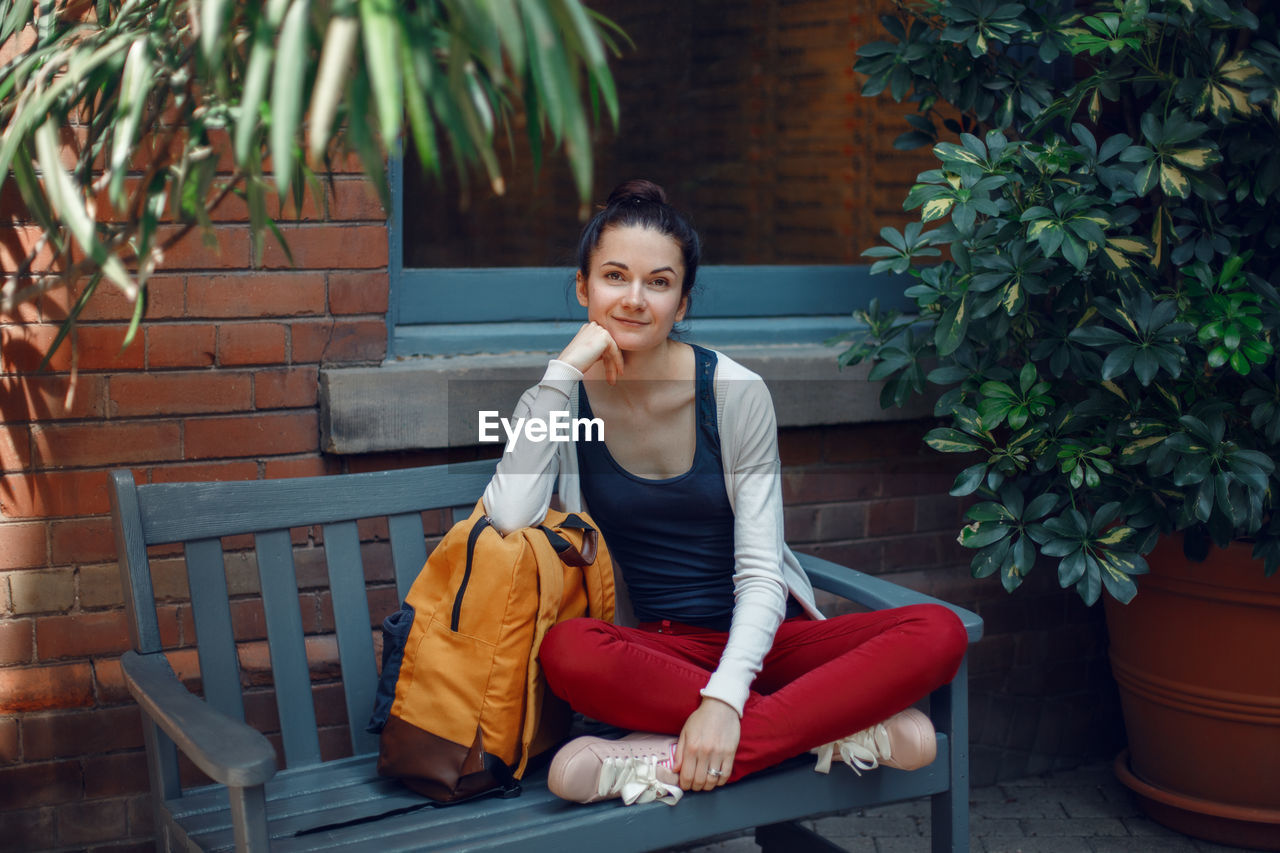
pixel 1197 658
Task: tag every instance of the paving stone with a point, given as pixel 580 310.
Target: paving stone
pixel 1147 828
pixel 1210 847
pixel 902 845
pixel 1091 801
pixel 1172 844
pixel 1000 827
pixel 1032 804
pixel 1081 826
pixel 853 826
pixel 1036 845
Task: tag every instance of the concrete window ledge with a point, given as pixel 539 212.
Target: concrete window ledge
pixel 433 402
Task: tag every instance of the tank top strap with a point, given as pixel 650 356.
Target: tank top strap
pixel 708 428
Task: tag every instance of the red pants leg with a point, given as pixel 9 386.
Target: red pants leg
pixel 821 681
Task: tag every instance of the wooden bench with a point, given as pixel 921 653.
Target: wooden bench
pixel 313 804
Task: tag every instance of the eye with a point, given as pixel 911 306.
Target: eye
pixel 659 282
pixel 613 275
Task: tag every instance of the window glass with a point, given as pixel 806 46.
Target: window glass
pixel 748 113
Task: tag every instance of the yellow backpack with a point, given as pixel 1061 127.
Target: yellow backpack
pixel 462 704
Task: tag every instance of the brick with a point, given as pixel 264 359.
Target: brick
pixel 81 635
pixel 180 393
pixel 103 348
pixel 339 341
pixel 71 734
pixel 23 347
pixel 311 466
pixel 27 829
pixel 16 639
pixel 23 545
pixel 15 448
pixel 54 493
pixel 119 774
pixel 345 200
pixel 43 397
pixel 228 248
pixel 218 472
pixel 256 294
pixel 799 446
pixel 87 822
pixel 99 586
pixel 840 521
pixel 43 591
pixel 289 388
pixel 828 485
pixel 20 240
pixel 891 517
pixel 251 343
pixel 81 540
pixel 108 444
pixel 323 247
pixel 165 298
pixel 181 345
pixel 45 687
pixel 10 748
pixel 259 435
pixel 358 293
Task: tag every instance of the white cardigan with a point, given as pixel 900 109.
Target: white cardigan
pixel 765 570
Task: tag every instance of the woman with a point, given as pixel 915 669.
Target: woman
pixel 731 668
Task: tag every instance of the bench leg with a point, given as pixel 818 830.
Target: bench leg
pixel 791 837
pixel 949 707
pixel 249 819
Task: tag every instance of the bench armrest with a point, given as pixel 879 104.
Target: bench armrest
pixel 227 750
pixel 876 593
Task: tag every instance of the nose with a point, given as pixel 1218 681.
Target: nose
pixel 634 297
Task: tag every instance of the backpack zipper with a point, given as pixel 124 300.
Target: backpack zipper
pixel 466 575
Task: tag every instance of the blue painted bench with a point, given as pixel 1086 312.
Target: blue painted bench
pixel 313 804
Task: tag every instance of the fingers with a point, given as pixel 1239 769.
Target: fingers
pixel 695 767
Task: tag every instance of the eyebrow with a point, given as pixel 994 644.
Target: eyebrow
pixel 625 267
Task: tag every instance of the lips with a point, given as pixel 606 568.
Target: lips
pixel 632 323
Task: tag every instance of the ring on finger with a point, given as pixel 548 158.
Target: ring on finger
pixel 715 773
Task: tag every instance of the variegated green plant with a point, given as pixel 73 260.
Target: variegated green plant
pixel 1101 334
pixel 120 116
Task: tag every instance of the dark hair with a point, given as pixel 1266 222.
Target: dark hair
pixel 643 203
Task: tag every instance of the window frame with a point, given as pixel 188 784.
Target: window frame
pixel 432 311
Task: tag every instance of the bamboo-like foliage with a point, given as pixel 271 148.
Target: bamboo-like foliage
pixel 120 116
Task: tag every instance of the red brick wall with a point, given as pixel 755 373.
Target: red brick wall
pixel 220 384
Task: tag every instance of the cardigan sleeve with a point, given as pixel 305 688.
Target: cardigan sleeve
pixel 749 438
pixel 520 492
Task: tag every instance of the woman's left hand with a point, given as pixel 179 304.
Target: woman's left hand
pixel 707 742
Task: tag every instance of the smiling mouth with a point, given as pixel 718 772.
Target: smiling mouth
pixel 630 322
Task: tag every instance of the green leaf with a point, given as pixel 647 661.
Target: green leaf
pixel 339 49
pixel 946 440
pixel 68 202
pixel 968 480
pixel 980 534
pixel 951 328
pixel 286 92
pixel 381 27
pixel 214 16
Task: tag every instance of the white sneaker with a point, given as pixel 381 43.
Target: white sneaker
pixel 906 741
pixel 636 768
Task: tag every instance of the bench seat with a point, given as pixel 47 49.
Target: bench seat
pixel 342 804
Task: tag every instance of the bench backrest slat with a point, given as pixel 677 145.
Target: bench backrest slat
pixel 215 638
pixel 288 651
pixel 351 622
pixel 176 512
pixel 408 549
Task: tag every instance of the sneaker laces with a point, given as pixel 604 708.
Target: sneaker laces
pixel 862 750
pixel 636 780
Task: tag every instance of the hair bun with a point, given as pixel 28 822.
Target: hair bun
pixel 636 192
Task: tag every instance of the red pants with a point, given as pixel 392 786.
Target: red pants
pixel 821 681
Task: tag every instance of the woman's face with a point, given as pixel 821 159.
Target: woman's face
pixel 635 286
